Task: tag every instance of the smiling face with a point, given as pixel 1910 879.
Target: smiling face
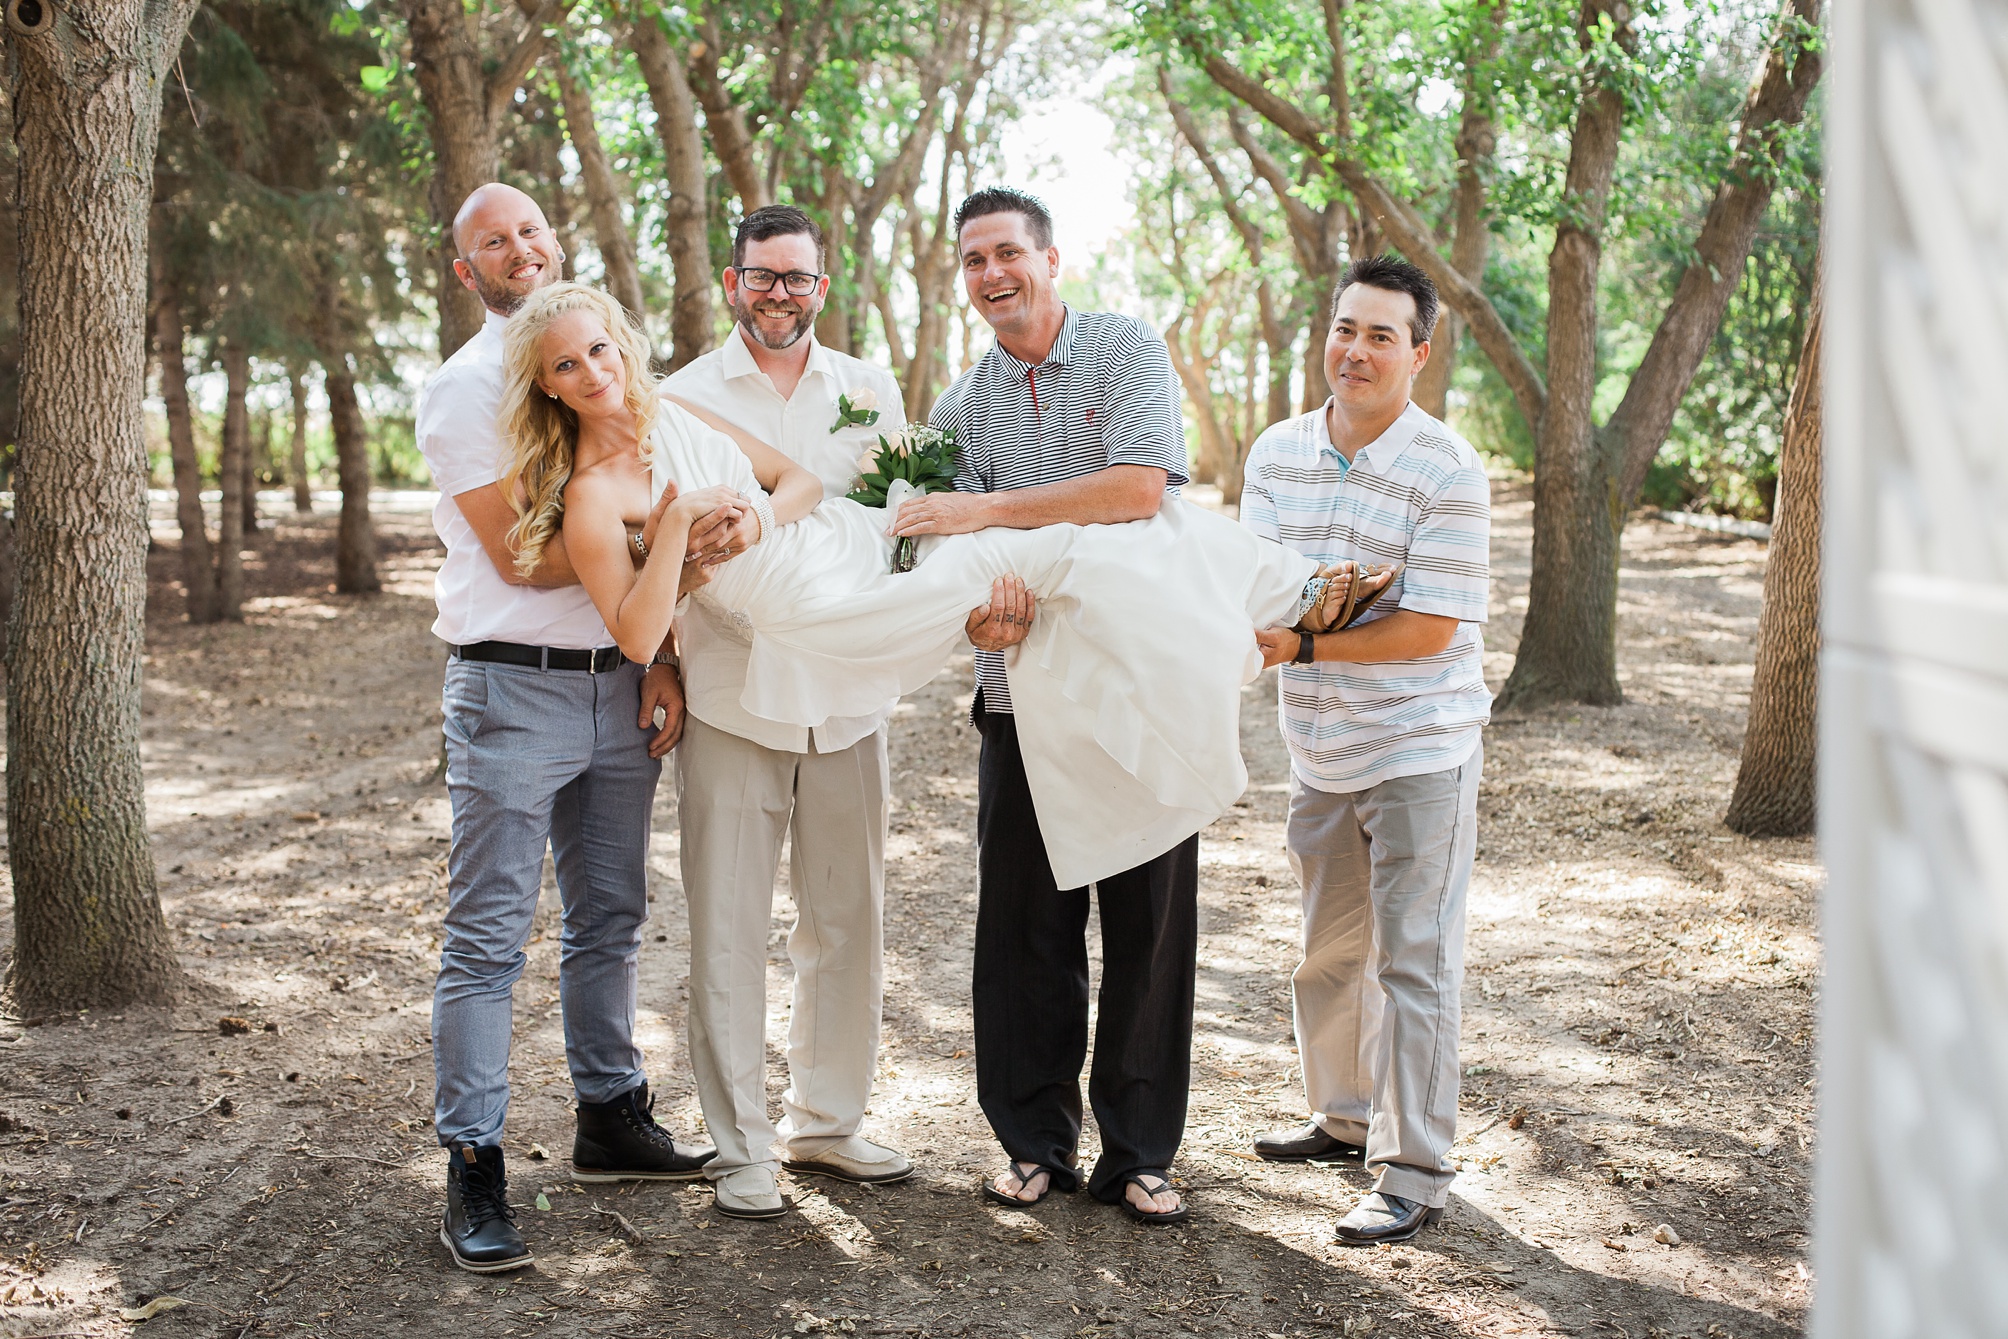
pixel 774 319
pixel 1011 280
pixel 507 250
pixel 579 362
pixel 1371 356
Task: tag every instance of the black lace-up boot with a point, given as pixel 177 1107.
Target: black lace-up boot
pixel 480 1227
pixel 620 1141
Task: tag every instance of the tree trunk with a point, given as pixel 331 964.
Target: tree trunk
pixel 603 192
pixel 86 90
pixel 465 101
pixel 1278 334
pixel 254 458
pixel 198 566
pixel 726 121
pixel 687 226
pixel 1585 478
pixel 1775 782
pixel 230 469
pixel 1477 137
pixel 1568 645
pixel 355 537
pixel 465 151
pixel 1316 389
pixel 1216 446
pixel 303 495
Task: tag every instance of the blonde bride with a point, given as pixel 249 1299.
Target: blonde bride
pixel 1143 637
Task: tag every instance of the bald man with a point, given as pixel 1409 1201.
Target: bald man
pixel 550 741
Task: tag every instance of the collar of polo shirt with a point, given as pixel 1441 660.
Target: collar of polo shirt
pixel 1063 346
pixel 1398 435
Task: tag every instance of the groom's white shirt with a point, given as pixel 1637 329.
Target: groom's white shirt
pixel 728 383
pixel 461 440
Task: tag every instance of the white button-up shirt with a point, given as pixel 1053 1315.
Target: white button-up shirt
pixel 462 442
pixel 728 383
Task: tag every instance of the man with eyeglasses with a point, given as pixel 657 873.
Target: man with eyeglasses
pixel 744 784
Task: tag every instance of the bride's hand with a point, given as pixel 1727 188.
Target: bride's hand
pixel 654 521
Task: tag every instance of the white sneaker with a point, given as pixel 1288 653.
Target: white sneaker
pixel 855 1159
pixel 749 1192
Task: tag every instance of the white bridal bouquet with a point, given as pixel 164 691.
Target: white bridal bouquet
pixel 920 460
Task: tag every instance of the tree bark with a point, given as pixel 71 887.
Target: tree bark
pixel 466 92
pixel 1313 234
pixel 86 89
pixel 257 459
pixel 726 122
pixel 355 536
pixel 1568 645
pixel 296 465
pixel 1470 243
pixel 1216 443
pixel 1584 477
pixel 1775 783
pixel 231 474
pixel 603 193
pixel 1275 335
pixel 687 227
pixel 198 564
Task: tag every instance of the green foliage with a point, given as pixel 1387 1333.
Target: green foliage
pixel 923 456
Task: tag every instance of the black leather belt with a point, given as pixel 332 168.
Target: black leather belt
pixel 542 657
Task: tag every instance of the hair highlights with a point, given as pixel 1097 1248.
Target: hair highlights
pixel 541 434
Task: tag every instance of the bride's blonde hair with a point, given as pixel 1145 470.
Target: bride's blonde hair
pixel 540 431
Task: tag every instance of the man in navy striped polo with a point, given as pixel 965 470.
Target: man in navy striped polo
pixel 1071 417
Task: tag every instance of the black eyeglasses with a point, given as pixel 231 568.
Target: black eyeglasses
pixel 797 283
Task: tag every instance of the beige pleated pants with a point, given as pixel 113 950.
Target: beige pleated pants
pixel 737 800
pixel 1385 872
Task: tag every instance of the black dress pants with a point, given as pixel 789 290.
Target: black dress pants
pixel 1031 989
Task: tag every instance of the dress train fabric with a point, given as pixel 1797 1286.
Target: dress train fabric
pixel 1127 689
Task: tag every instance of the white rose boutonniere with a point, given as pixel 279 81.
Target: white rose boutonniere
pixel 856 411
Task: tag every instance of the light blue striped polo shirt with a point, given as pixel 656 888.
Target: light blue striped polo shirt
pixel 1416 494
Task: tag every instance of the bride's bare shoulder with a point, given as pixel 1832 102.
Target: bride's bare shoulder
pixel 595 488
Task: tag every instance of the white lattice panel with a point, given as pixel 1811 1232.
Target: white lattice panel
pixel 1912 1236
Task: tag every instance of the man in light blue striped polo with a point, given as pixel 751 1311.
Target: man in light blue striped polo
pixel 1382 720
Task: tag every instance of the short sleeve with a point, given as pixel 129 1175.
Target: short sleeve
pixel 456 428
pixel 1258 504
pixel 1449 554
pixel 1143 423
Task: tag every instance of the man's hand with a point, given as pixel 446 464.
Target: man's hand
pixel 941 514
pixel 662 690
pixel 1006 619
pixel 1279 646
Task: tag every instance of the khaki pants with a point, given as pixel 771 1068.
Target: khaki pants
pixel 737 801
pixel 1384 873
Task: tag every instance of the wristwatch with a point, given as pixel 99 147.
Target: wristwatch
pixel 1306 649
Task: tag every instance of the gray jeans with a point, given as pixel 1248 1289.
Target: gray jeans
pixel 537 757
pixel 1385 872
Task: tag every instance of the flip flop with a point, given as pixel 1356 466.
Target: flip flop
pixel 1024 1171
pixel 1367 601
pixel 1159 1217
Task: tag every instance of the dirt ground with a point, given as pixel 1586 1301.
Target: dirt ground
pixel 1637 1034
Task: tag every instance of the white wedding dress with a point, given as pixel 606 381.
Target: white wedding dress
pixel 1127 689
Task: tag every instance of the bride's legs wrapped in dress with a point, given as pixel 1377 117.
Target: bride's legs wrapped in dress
pixel 1132 670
